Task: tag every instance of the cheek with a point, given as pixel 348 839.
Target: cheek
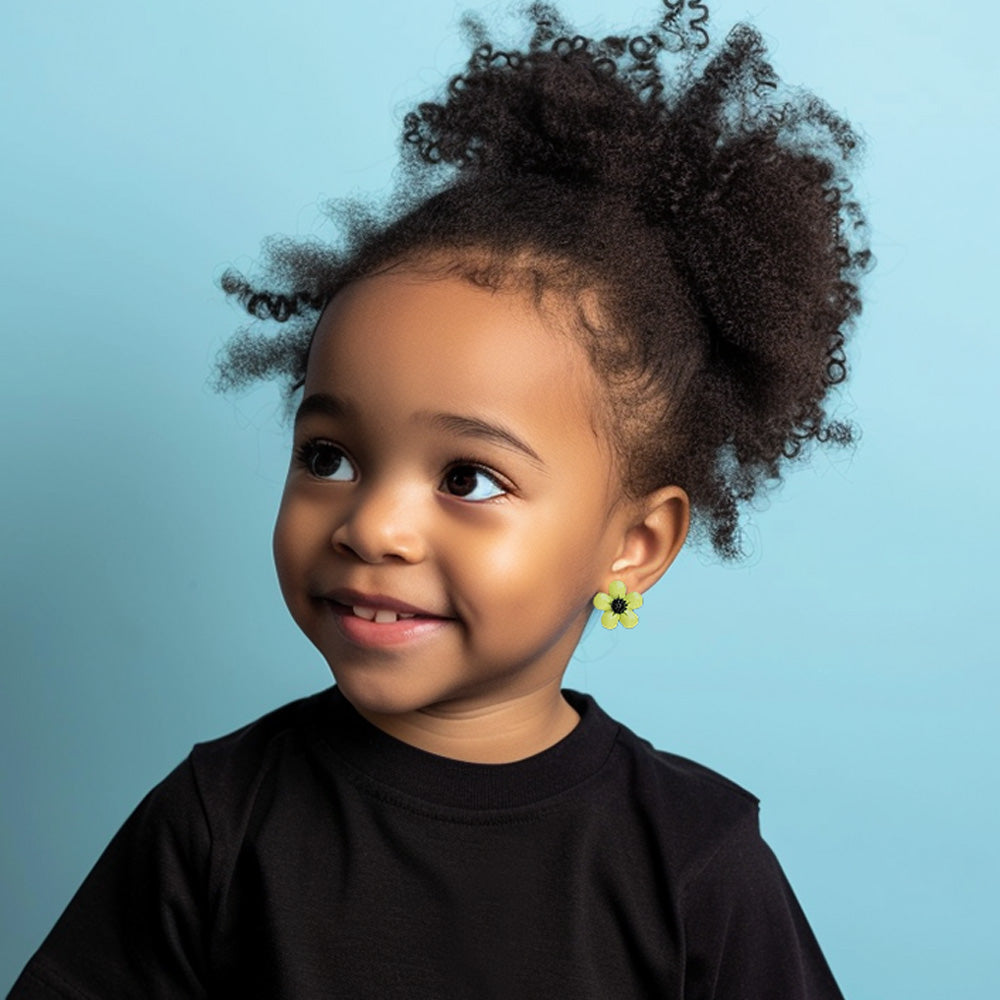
pixel 289 542
pixel 545 570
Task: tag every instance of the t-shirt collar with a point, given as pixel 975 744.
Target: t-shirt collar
pixel 417 774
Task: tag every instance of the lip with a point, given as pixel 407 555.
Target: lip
pixel 362 632
pixel 355 598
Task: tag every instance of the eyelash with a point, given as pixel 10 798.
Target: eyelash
pixel 311 447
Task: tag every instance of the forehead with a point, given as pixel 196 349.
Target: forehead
pixel 402 342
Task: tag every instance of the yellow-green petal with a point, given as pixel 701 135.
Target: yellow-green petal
pixel 617 589
pixel 602 602
pixel 630 619
pixel 634 599
pixel 609 619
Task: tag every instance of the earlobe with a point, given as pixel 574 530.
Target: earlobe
pixel 652 543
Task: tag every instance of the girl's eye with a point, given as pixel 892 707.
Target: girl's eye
pixel 324 460
pixel 320 458
pixel 464 472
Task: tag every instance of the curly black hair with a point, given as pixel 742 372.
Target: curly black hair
pixel 699 224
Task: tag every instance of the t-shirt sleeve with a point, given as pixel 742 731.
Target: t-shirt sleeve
pixel 137 926
pixel 746 935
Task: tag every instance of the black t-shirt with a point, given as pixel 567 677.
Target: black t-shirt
pixel 311 855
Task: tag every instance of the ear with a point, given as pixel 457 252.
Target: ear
pixel 658 528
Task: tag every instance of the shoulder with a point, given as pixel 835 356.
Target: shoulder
pixel 681 782
pixel 236 759
pixel 697 812
pixel 226 767
pixel 291 719
pixel 744 932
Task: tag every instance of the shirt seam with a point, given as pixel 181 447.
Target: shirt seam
pixel 749 819
pixel 534 811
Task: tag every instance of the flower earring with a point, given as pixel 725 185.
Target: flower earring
pixel 618 606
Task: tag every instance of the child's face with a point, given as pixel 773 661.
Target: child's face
pixel 391 512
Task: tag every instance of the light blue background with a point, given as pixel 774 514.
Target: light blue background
pixel 846 673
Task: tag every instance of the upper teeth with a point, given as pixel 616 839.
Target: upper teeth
pixel 378 614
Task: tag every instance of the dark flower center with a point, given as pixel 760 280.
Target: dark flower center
pixel 619 605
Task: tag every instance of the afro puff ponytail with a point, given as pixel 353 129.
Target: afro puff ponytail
pixel 707 210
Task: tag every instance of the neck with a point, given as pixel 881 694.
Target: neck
pixel 500 733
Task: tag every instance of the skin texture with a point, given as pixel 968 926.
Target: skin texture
pixel 517 571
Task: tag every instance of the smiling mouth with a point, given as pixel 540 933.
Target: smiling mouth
pixel 380 616
pixel 384 629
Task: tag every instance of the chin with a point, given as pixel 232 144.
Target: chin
pixel 372 690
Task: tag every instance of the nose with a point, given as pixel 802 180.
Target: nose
pixel 380 524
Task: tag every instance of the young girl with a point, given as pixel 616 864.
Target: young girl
pixel 607 301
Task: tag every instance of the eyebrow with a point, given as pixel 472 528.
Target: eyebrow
pixel 465 426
